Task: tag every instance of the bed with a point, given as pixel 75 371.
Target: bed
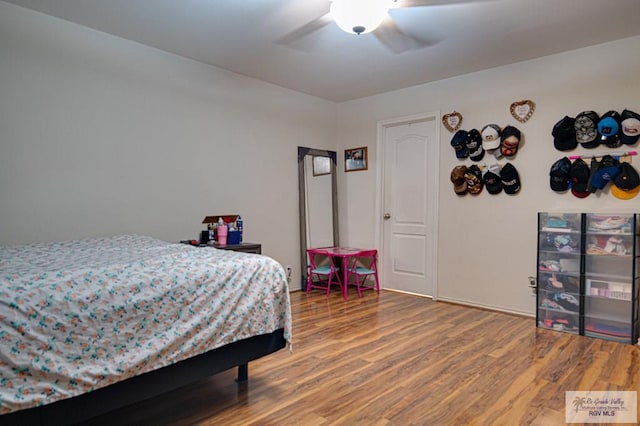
pixel 90 325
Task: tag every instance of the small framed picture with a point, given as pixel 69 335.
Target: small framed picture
pixel 321 166
pixel 355 159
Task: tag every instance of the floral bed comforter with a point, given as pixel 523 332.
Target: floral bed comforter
pixel 79 315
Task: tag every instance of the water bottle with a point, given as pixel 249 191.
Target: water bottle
pixel 222 232
pixel 239 226
pixel 210 229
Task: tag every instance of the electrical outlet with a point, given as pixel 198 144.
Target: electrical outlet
pixel 289 270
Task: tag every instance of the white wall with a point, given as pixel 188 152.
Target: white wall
pixel 487 244
pixel 100 135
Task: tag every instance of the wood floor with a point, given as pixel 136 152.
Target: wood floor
pixel 396 359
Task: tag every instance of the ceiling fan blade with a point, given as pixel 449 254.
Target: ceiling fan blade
pixel 305 30
pixel 397 40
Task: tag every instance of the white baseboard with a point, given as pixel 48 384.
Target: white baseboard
pixel 489 307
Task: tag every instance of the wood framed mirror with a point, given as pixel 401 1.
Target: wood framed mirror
pixel 318 201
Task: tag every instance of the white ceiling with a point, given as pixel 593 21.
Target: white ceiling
pixel 245 36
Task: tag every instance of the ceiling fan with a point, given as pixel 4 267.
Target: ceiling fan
pixel 364 16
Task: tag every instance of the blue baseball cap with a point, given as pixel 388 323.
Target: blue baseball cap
pixel 608 170
pixel 609 129
pixel 459 143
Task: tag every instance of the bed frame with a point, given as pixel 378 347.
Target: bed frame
pixel 153 383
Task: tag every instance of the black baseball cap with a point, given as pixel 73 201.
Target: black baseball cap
pixel 474 145
pixel 564 134
pixel 580 174
pixel 594 166
pixel 560 175
pixel 627 184
pixel 510 179
pixel 492 180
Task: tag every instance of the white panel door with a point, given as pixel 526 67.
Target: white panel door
pixel 409 206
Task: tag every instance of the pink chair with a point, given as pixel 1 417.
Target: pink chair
pixel 322 266
pixel 363 265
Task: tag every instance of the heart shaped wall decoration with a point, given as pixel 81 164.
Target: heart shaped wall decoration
pixel 523 110
pixel 452 121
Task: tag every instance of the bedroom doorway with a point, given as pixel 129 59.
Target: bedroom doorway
pixel 408 203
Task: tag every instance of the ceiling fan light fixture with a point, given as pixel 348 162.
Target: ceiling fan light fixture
pixel 359 16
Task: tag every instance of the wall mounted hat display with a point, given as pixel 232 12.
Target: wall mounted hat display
pixel 496 179
pixel 596 174
pixel 591 130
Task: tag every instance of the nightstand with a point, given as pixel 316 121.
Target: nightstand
pixel 243 247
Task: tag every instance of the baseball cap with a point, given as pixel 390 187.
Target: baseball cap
pixel 474 179
pixel 629 127
pixel 510 139
pixel 608 170
pixel 474 145
pixel 627 184
pixel 594 165
pixel 458 142
pixel 491 136
pixel 586 126
pixel 580 178
pixel 609 129
pixel 510 179
pixel 492 180
pixel 560 175
pixel 564 134
pixel 458 179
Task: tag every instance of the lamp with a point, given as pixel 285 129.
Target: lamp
pixel 359 16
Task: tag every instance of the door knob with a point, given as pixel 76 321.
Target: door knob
pixel 387 216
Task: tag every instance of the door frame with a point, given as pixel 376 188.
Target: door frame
pixel 382 125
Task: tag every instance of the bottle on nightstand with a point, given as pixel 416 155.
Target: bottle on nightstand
pixel 239 226
pixel 222 232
